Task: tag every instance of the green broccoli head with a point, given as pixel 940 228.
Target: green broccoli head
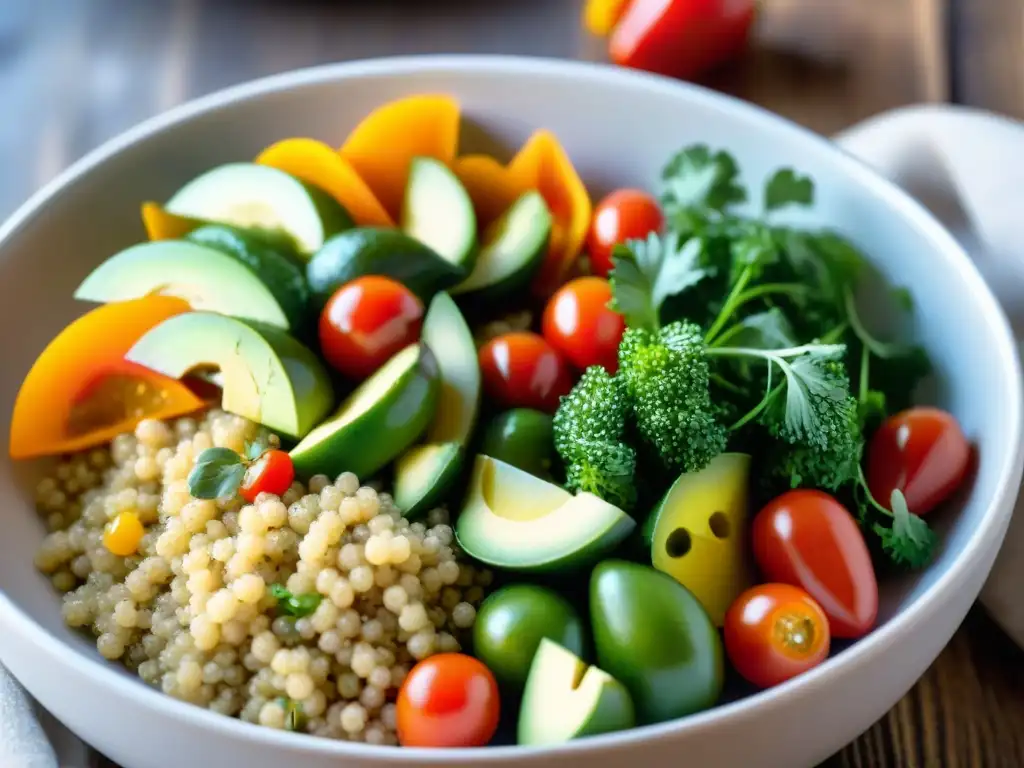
pixel 606 470
pixel 595 410
pixel 666 378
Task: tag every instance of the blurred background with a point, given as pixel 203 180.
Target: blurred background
pixel 73 73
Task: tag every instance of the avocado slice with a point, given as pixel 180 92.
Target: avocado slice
pixel 258 285
pixel 267 376
pixel 378 421
pixel 698 533
pixel 513 247
pixel 426 472
pixel 250 195
pixel 379 251
pixel 438 211
pixel 566 699
pixel 652 634
pixel 516 521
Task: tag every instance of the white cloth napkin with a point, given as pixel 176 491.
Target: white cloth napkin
pixel 23 742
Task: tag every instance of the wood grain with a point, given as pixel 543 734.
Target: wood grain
pixel 77 72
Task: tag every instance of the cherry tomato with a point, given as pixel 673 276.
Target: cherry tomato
pixel 681 38
pixel 521 370
pixel 366 322
pixel 272 472
pixel 448 700
pixel 808 539
pixel 578 323
pixel 774 632
pixel 923 452
pixel 626 214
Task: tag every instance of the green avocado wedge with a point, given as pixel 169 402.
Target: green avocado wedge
pixel 438 212
pixel 513 247
pixel 654 636
pixel 262 286
pixel 266 375
pixel 251 195
pixel 515 521
pixel 377 422
pixel 511 624
pixel 379 251
pixel 425 473
pixel 565 699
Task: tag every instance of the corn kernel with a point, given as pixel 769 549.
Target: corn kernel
pixel 123 534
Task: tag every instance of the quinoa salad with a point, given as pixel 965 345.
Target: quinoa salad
pixel 393 443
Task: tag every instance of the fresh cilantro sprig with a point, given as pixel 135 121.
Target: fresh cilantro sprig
pixel 904 536
pixel 297 606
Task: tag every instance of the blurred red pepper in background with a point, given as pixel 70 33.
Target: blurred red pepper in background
pixel 678 38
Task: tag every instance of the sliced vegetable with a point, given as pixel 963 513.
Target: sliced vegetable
pixel 806 538
pixel 773 632
pixel 81 392
pixel 567 699
pixel 161 225
pixel 437 211
pixel 579 323
pixel 653 636
pixel 522 437
pixel 253 284
pixel 512 249
pixel 250 195
pixel 491 186
pixel 426 472
pixel 516 521
pixel 625 214
pixel 377 422
pixel 923 453
pixel 316 163
pixel 376 251
pixel 601 16
pixel 512 623
pixel 296 606
pixel 522 370
pixel 383 145
pixel 698 533
pixel 448 700
pixel 543 164
pixel 366 323
pixel 268 377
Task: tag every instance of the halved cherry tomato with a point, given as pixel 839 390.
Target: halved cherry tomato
pixel 774 632
pixel 806 538
pixel 448 700
pixel 366 322
pixel 521 370
pixel 626 214
pixel 579 324
pixel 272 472
pixel 923 452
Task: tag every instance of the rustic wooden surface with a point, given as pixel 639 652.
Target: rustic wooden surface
pixel 75 72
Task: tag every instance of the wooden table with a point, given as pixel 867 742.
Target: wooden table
pixel 75 72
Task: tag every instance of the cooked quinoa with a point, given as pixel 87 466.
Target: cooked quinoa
pixel 191 611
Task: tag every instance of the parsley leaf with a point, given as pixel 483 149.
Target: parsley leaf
pixel 698 178
pixel 646 272
pixel 909 541
pixel 295 605
pixel 218 473
pixel 785 187
pixel 765 330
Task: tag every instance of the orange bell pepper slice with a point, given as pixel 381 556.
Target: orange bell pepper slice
pixel 543 164
pixel 163 225
pixel 381 147
pixel 601 16
pixel 491 186
pixel 316 163
pixel 81 392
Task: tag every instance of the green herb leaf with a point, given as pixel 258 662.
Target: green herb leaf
pixel 698 178
pixel 909 542
pixel 294 717
pixel 764 330
pixel 646 272
pixel 217 474
pixel 785 187
pixel 296 606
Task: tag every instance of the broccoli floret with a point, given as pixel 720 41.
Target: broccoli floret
pixel 594 410
pixel 666 378
pixel 604 469
pixel 829 468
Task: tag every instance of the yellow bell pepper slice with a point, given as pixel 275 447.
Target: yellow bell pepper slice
pixel 601 16
pixel 491 186
pixel 381 147
pixel 316 163
pixel 163 225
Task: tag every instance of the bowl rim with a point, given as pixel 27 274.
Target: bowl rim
pixel 863 651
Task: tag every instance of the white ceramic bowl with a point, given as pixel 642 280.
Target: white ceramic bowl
pixel 619 127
